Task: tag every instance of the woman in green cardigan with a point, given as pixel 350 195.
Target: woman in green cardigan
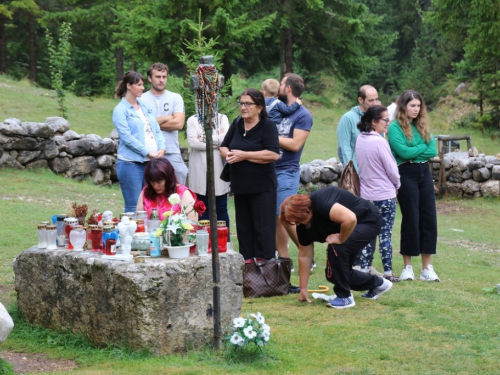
pixel 412 144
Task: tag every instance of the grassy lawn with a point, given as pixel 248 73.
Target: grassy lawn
pixel 417 328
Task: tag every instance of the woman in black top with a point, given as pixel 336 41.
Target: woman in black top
pixel 251 148
pixel 347 223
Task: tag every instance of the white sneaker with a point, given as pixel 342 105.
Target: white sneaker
pixel 407 273
pixel 429 274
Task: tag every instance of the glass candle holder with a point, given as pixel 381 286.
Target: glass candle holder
pixel 42 236
pixel 78 237
pixel 51 237
pixel 222 233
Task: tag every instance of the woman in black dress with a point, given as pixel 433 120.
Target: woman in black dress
pixel 251 148
pixel 347 223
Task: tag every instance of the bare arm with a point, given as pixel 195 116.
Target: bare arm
pixel 187 201
pixel 259 157
pixel 223 151
pixel 346 218
pixel 140 205
pixel 174 122
pixel 296 142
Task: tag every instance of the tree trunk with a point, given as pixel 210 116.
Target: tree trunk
pixel 286 43
pixel 33 76
pixel 3 46
pixel 119 64
pixel 227 71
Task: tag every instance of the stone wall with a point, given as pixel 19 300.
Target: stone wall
pixel 164 305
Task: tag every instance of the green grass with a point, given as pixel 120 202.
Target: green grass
pixel 419 328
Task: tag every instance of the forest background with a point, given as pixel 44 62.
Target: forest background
pixel 392 44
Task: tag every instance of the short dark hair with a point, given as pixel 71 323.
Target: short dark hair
pixel 296 84
pixel 131 77
pixel 157 66
pixel 159 169
pixel 372 113
pixel 258 98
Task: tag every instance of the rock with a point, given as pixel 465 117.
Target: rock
pixel 495 172
pixel 481 174
pixel 492 160
pixel 60 141
pixel 70 135
pixel 306 173
pixel 6 323
pixel 473 152
pixel 471 186
pixel 114 175
pixel 14 154
pixel 49 149
pixel 455 175
pixel 454 189
pixel 332 161
pixel 58 124
pixel 97 176
pixel 164 305
pixel 78 148
pixel 105 161
pixel 318 162
pixel 476 164
pixel 7 161
pixel 93 137
pixel 37 164
pixel 18 143
pixel 327 174
pixel 114 134
pixel 12 126
pixel 491 188
pixel 82 165
pixel 38 129
pixel 460 164
pixel 26 156
pixel 467 175
pixel 447 162
pixel 60 165
pixel 459 88
pixel 316 173
pixel 105 146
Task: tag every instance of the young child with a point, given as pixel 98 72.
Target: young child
pixel 276 109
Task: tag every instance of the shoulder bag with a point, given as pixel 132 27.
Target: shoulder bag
pixel 349 179
pixel 266 278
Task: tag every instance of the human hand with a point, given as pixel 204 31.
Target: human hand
pixel 303 297
pixel 235 156
pixel 334 239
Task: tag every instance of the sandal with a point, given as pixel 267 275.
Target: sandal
pixel 392 278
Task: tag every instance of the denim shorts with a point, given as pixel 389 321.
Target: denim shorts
pixel 288 184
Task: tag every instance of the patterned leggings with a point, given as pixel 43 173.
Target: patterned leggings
pixel 387 210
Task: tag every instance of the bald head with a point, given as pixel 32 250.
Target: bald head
pixel 367 96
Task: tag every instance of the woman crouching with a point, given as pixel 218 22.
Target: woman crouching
pixel 347 223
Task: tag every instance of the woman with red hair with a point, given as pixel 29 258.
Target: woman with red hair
pixel 347 223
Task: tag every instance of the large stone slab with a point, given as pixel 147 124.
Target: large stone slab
pixel 164 305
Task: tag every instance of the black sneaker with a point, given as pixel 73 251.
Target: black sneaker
pixel 293 289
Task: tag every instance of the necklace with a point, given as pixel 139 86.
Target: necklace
pixel 245 133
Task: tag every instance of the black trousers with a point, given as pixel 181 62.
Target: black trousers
pixel 256 224
pixel 418 209
pixel 341 259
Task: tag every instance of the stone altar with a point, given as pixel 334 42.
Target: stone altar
pixel 164 305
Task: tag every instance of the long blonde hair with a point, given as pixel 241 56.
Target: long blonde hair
pixel 421 122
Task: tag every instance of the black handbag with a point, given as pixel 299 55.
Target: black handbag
pixel 225 175
pixel 266 278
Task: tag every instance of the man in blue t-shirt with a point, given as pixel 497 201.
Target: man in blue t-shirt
pixel 293 132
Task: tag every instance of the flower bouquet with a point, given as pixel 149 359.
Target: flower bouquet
pixel 176 229
pixel 247 330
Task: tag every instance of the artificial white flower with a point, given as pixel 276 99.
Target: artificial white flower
pixel 258 317
pixel 266 328
pixel 249 332
pixel 174 199
pixel 173 227
pixel 239 322
pixel 266 336
pixel 236 339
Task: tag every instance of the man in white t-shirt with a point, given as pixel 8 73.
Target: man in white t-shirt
pixel 391 109
pixel 168 108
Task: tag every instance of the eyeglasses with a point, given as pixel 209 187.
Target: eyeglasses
pixel 246 104
pixel 385 119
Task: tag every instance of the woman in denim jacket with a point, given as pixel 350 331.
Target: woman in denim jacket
pixel 140 138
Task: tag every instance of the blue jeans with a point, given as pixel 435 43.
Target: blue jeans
pixel 220 208
pixel 288 184
pixel 387 210
pixel 180 169
pixel 131 178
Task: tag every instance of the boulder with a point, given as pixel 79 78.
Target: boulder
pixel 93 137
pixel 455 175
pixel 476 164
pixel 471 186
pixel 60 165
pixel 454 189
pixel 460 164
pixel 38 129
pixel 305 173
pixel 164 305
pixel 114 134
pixel 105 161
pixel 327 174
pixel 491 188
pixel 37 164
pixel 495 172
pixel 78 147
pixel 24 157
pixel 18 143
pixel 98 177
pixel 7 161
pixel 70 135
pixel 481 174
pixel 6 323
pixel 58 124
pixel 316 174
pixel 467 175
pixel 49 149
pixel 12 126
pixel 82 165
pixel 104 146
